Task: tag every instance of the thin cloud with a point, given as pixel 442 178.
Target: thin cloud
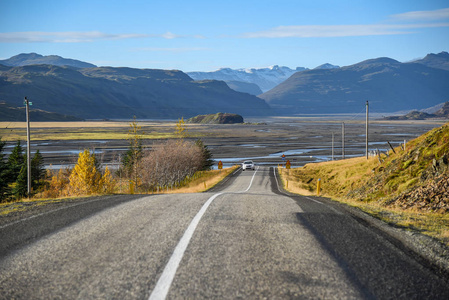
pixel 426 19
pixel 308 31
pixel 77 37
pixel 62 37
pixel 172 50
pixel 427 15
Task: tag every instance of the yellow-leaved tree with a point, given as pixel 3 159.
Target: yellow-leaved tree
pixel 86 177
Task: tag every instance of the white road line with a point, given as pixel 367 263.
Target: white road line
pixel 163 284
pixel 49 212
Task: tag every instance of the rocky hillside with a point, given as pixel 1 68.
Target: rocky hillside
pixel 218 118
pixel 105 92
pixel 416 178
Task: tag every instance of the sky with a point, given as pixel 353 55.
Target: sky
pixel 194 35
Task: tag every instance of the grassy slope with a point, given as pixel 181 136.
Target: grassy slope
pixel 393 190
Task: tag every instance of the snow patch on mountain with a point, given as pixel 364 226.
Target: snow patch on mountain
pixel 265 78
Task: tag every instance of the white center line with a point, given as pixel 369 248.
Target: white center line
pixel 163 284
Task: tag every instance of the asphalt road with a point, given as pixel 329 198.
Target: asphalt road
pixel 243 240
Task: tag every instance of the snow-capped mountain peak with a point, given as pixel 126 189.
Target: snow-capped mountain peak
pixel 265 78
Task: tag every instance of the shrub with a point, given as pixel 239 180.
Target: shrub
pixel 170 163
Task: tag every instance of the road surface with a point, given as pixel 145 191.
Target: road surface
pixel 245 240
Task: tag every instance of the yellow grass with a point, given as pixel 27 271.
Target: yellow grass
pixel 209 180
pixel 340 177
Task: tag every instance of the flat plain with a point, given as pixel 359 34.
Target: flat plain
pixel 265 140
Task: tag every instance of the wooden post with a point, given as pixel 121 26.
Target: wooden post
pixel 318 187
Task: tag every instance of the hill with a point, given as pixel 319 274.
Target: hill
pixel 244 87
pixel 388 84
pixel 18 114
pixel 105 92
pixel 441 113
pixel 407 184
pixel 218 118
pixel 439 61
pixel 26 59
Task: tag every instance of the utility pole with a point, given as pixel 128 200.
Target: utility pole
pixel 366 134
pixel 28 103
pixel 343 140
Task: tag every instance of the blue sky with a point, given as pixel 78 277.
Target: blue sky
pixel 207 35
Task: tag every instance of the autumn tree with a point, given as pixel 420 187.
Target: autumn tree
pixel 86 177
pixel 181 129
pixel 133 155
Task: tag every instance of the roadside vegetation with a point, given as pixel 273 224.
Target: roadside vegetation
pixel 407 187
pixel 173 165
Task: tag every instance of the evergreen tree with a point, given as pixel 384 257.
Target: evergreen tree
pixel 20 188
pixel 207 161
pixel 4 174
pixel 15 162
pixel 37 170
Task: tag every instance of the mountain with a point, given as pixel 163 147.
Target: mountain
pixel 244 87
pixel 18 114
pixel 37 59
pixel 265 78
pixel 439 61
pixel 388 84
pixel 98 93
pixel 326 66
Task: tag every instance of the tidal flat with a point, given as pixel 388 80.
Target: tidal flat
pixel 301 139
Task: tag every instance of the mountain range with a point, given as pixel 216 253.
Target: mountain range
pixel 264 78
pixel 72 87
pixel 25 59
pixel 386 83
pixel 106 92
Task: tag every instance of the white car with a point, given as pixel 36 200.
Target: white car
pixel 248 164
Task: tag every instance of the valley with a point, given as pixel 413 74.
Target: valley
pixel 264 140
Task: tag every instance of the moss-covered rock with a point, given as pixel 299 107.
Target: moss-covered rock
pixel 218 118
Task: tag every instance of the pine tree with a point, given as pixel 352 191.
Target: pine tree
pixel 37 170
pixel 20 188
pixel 4 174
pixel 15 162
pixel 207 162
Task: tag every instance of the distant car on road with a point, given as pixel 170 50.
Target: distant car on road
pixel 248 164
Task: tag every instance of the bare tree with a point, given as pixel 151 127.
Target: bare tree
pixel 169 163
